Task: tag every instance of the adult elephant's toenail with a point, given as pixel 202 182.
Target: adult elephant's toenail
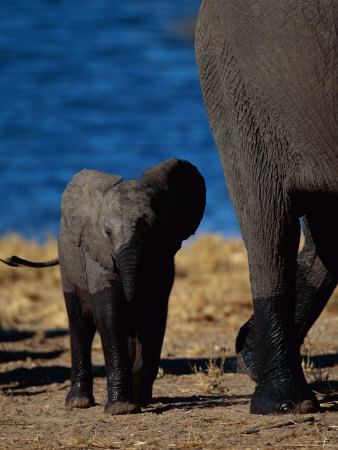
pixel 286 407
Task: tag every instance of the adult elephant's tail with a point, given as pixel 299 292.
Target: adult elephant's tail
pixel 15 261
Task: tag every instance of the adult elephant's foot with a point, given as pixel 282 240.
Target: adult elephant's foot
pixel 79 397
pixel 283 396
pixel 245 349
pixel 118 407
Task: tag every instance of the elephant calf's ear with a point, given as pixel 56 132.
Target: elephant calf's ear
pixel 186 192
pixel 80 205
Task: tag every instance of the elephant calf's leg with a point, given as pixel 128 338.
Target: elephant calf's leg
pixel 150 334
pixel 112 329
pixel 82 330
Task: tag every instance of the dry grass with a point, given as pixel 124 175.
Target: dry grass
pixel 30 295
pixel 212 281
pixel 212 379
pixel 211 285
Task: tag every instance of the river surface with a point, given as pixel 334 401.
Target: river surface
pixel 103 84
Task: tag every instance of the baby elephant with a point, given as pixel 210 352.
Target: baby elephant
pixel 117 242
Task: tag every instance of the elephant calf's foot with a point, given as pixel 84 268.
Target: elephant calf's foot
pixel 245 349
pixel 119 407
pixel 281 398
pixel 79 398
pixel 143 395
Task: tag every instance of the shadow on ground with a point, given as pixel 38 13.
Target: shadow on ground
pixel 14 335
pixel 196 401
pixel 40 375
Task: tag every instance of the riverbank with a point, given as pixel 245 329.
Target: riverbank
pixel 200 397
pixel 211 284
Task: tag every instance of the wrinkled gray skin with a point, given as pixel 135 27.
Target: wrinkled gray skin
pixel 117 242
pixel 268 71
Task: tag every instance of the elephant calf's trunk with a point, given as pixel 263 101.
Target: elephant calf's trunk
pixel 128 262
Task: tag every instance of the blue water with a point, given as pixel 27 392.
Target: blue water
pixel 101 84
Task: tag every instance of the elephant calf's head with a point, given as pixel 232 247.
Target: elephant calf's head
pixel 131 215
pixel 135 222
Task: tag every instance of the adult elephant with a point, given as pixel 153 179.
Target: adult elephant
pixel 268 71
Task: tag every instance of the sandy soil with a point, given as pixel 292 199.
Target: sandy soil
pixel 195 403
pixel 200 398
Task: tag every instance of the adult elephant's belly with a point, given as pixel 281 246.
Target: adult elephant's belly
pixel 317 175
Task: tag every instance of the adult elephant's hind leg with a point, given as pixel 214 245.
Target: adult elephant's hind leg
pixel 245 348
pixel 314 286
pixel 315 283
pixel 271 236
pixel 82 330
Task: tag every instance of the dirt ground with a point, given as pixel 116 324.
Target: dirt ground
pixel 200 397
pixel 195 403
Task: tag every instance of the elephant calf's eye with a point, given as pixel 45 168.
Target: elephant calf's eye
pixel 108 232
